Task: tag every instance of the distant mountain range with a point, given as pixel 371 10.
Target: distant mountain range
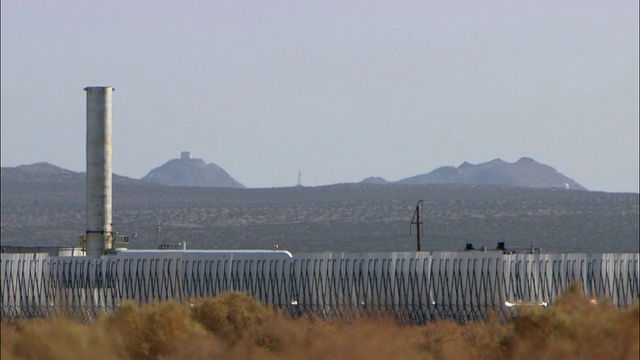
pixel 191 172
pixel 44 204
pixel 526 172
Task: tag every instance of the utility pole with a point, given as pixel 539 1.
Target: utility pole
pixel 416 221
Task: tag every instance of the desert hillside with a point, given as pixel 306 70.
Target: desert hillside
pixel 191 172
pixel 525 172
pixel 39 210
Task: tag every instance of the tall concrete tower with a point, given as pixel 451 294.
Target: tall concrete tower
pixel 99 235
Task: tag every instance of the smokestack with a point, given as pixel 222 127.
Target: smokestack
pixel 99 220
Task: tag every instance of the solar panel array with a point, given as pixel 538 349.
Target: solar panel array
pixel 412 287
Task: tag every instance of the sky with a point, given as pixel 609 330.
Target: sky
pixel 336 90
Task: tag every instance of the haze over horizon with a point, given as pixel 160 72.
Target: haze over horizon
pixel 340 91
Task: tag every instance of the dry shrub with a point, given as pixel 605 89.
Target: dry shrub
pixel 235 326
pixel 59 339
pixel 233 317
pixel 575 327
pixel 8 337
pixel 151 331
pixel 448 339
pixel 334 339
pixel 203 348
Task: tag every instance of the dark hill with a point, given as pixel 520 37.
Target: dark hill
pixel 44 172
pixel 191 173
pixel 526 172
pixel 375 180
pixel 39 172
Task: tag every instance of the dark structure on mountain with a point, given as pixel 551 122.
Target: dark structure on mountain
pixel 526 172
pixel 191 173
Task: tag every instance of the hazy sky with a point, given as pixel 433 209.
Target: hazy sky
pixel 340 90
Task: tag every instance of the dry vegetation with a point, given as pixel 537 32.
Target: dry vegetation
pixel 234 326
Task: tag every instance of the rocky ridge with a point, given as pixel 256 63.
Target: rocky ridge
pixel 526 172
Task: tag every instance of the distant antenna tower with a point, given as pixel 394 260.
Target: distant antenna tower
pixel 299 178
pixel 418 223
